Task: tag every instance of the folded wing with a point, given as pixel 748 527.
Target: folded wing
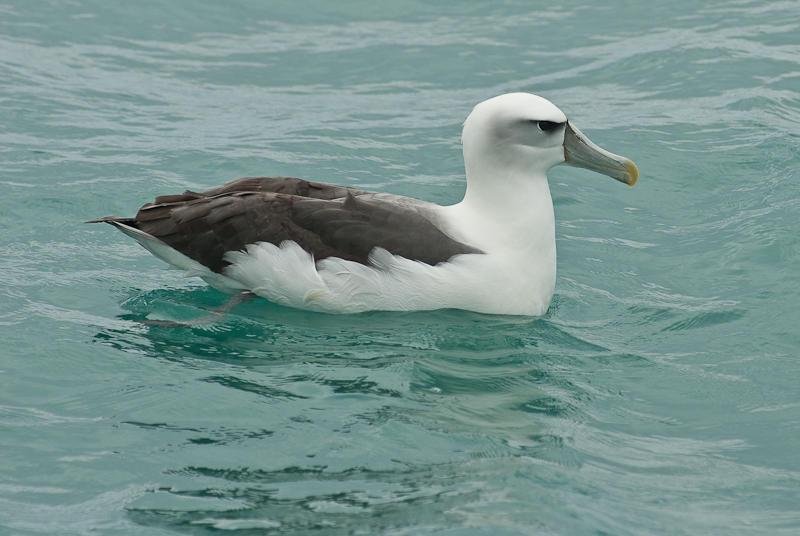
pixel 325 220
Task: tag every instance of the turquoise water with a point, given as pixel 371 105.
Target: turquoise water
pixel 658 395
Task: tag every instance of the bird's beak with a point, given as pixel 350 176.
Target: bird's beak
pixel 579 151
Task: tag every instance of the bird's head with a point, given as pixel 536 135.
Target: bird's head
pixel 527 133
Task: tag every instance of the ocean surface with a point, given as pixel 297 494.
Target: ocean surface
pixel 659 395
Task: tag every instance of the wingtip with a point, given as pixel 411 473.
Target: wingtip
pixel 109 219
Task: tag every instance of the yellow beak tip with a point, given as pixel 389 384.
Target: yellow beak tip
pixel 633 173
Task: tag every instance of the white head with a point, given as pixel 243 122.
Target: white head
pixel 519 134
pixel 517 130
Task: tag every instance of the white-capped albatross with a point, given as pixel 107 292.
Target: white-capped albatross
pixel 342 250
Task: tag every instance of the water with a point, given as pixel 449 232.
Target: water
pixel 658 395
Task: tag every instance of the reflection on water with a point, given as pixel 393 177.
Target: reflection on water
pixel 333 412
pixel 487 395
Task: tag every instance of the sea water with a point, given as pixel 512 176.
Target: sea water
pixel 659 395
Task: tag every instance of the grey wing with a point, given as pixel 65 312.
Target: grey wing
pixel 282 185
pixel 325 220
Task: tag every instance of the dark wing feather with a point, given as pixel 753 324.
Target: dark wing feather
pixel 325 220
pixel 282 185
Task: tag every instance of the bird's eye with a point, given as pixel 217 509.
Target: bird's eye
pixel 547 126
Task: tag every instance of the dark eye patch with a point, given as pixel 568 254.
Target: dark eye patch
pixel 547 126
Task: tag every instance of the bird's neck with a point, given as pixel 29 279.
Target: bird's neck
pixel 511 208
pixel 505 181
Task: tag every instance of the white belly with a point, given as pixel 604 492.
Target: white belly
pixel 476 282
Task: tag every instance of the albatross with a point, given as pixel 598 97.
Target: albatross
pixel 339 249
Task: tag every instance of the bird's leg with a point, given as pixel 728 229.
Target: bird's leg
pixel 217 313
pixel 235 300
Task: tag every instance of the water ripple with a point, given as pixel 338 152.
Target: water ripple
pixel 656 396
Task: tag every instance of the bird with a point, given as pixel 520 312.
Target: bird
pixel 339 249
